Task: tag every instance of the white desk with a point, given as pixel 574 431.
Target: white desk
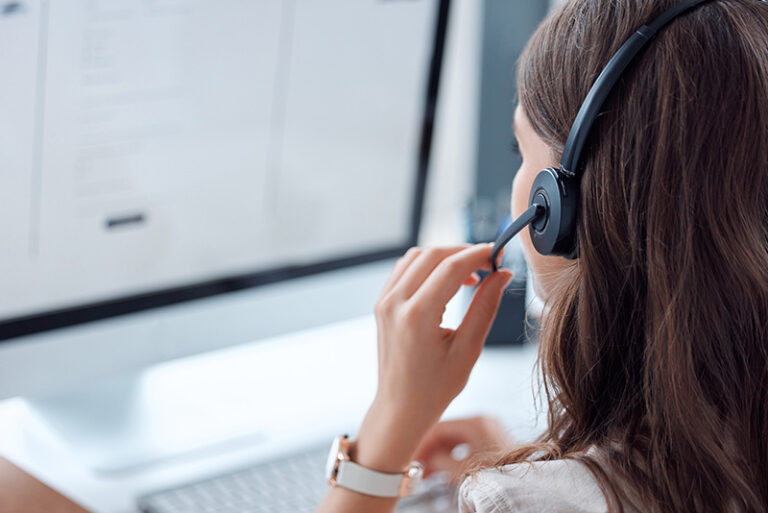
pixel 277 393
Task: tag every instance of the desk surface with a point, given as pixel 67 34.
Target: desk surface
pixel 288 390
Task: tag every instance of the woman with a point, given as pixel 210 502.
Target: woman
pixel 654 346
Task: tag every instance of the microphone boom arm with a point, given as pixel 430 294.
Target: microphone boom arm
pixel 533 213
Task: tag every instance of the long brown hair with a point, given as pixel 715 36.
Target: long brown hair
pixel 655 349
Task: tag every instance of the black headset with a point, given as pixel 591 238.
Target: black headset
pixel 554 199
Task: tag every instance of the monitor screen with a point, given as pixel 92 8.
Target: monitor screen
pixel 158 151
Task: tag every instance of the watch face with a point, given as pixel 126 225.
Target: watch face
pixel 333 458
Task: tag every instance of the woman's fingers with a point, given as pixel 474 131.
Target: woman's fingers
pixel 447 277
pixel 436 451
pixel 443 436
pixel 421 268
pixel 440 450
pixel 400 266
pixel 473 280
pixel 426 265
pixel 443 461
pixel 471 334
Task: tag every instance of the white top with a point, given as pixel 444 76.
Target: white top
pixel 556 486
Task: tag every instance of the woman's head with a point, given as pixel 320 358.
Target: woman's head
pixel 655 342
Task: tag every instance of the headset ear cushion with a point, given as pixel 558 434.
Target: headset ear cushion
pixel 555 232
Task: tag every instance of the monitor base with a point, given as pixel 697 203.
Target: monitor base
pixel 234 399
pixel 119 426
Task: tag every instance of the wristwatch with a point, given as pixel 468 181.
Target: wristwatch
pixel 342 471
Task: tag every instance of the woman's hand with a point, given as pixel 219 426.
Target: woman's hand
pixel 423 366
pixel 476 435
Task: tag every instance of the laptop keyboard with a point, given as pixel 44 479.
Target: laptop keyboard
pixel 294 484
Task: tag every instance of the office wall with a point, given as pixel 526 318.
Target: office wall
pixel 506 28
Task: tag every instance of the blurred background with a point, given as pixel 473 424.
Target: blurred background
pixel 199 204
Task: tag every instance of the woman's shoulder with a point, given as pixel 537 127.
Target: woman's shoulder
pixel 553 486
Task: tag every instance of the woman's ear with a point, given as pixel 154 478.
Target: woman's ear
pixel 537 155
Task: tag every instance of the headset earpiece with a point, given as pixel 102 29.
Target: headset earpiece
pixel 554 232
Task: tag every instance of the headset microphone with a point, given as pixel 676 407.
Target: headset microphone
pixel 554 198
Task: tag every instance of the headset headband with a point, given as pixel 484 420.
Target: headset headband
pixel 593 103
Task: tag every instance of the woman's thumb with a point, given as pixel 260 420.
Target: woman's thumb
pixel 442 461
pixel 482 311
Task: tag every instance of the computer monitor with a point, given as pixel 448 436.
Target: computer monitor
pixel 180 176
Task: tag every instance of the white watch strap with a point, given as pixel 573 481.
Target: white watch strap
pixel 367 481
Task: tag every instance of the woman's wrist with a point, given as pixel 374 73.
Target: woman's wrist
pixel 387 440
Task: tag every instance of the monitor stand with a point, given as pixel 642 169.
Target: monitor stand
pixel 212 391
pixel 226 400
pixel 119 426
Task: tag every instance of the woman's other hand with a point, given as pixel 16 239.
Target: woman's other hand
pixel 423 366
pixel 450 445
